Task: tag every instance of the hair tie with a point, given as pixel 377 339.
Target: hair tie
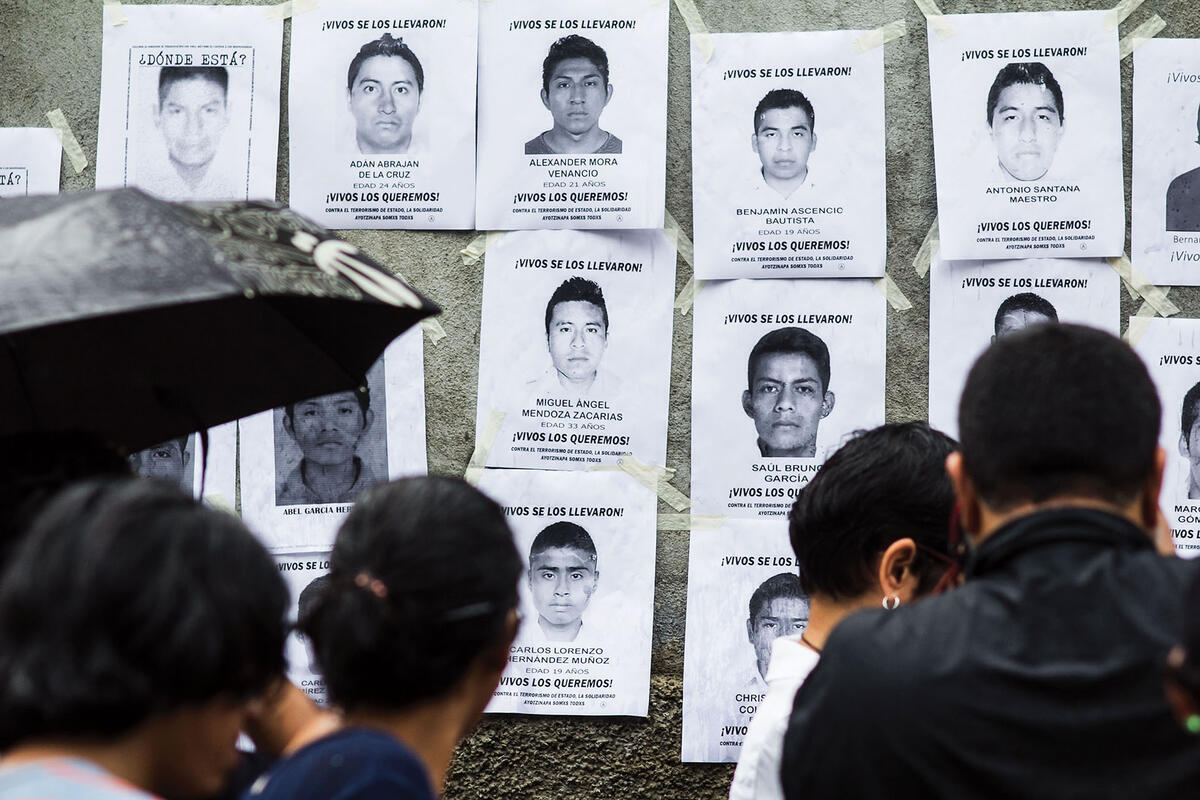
pixel 364 580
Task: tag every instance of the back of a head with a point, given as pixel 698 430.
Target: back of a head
pixel 1058 411
pixel 423 575
pixel 884 484
pixel 128 599
pixel 1187 673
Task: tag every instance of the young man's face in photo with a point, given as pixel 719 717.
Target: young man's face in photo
pixel 577 95
pixel 577 338
pixel 787 403
pixel 784 139
pixel 1189 448
pixel 384 101
pixel 562 580
pixel 166 461
pixel 1026 127
pixel 192 116
pixel 1019 319
pixel 782 616
pixel 328 428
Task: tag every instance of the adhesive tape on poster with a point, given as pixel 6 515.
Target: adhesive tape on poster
pixel 289 8
pixel 892 292
pixel 1139 323
pixel 433 329
pixel 475 250
pixel 687 296
pixel 933 15
pixel 1154 295
pixel 656 479
pixel 483 447
pixel 929 246
pixel 70 144
pixel 880 36
pixel 1119 13
pixel 695 25
pixel 116 14
pixel 1141 34
pixel 220 502
pixel 686 251
pixel 691 522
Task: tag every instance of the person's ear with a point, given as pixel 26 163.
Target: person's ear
pixel 827 404
pixel 754 142
pixel 1149 508
pixel 1183 446
pixel 813 146
pixel 608 94
pixel 969 505
pixel 185 457
pixel 896 576
pixel 368 419
pixel 750 630
pixel 747 403
pixel 546 99
pixel 289 425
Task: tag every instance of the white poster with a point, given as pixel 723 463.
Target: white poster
pixel 788 156
pixel 1170 348
pixel 572 114
pixel 743 593
pixel 1027 135
pixel 972 303
pixel 303 465
pixel 189 102
pixel 30 161
pixel 575 347
pixel 381 114
pixel 181 462
pixel 306 576
pixel 587 595
pixel 1166 161
pixel 782 371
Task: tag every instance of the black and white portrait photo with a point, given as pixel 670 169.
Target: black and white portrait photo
pixel 306 575
pixel 782 371
pixel 574 348
pixel 182 462
pixel 1027 136
pixel 572 115
pixel 1183 196
pixel 973 304
pixel 189 104
pixel 587 594
pixel 172 461
pixel 30 160
pixel 381 114
pixel 806 198
pixel 1189 440
pixel 778 607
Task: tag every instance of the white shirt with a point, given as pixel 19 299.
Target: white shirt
pixel 757 773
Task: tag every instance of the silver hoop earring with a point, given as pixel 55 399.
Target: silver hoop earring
pixel 891 603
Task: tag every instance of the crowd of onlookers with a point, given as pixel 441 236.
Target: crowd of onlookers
pixel 997 617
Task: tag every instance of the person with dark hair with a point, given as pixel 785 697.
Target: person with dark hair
pixel 784 138
pixel 787 394
pixel 576 336
pixel 304 604
pixel 412 634
pixel 136 628
pixel 328 430
pixel 1183 196
pixel 1189 439
pixel 562 577
pixel 1025 116
pixel 1020 311
pixel 1041 674
pixel 575 90
pixel 869 529
pixel 191 115
pixel 778 607
pixel 384 85
pixel 1182 683
pixel 168 461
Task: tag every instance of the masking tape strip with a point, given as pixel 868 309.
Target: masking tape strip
pixel 483 447
pixel 695 25
pixel 1119 13
pixel 219 502
pixel 289 8
pixel 1141 34
pixel 894 296
pixel 70 144
pixel 1133 293
pixel 929 245
pixel 472 254
pixel 691 522
pixel 933 15
pixel 686 251
pixel 433 329
pixel 116 14
pixel 1154 295
pixel 656 479
pixel 1139 323
pixel 880 36
pixel 687 296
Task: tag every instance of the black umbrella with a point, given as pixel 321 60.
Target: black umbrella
pixel 139 319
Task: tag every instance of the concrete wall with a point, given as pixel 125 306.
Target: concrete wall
pixel 50 57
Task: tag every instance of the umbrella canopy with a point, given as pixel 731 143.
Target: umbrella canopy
pixel 139 319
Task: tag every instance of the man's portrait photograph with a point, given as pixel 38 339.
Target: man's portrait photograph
pixel 575 90
pixel 1025 117
pixel 384 84
pixel 1189 441
pixel 787 393
pixel 172 461
pixel 778 607
pixel 783 139
pixel 576 338
pixel 563 575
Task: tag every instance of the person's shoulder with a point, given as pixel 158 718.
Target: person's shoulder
pixel 1188 181
pixel 612 144
pixel 351 763
pixel 537 146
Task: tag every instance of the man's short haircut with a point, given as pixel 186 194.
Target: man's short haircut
pixel 422 578
pixel 790 340
pixel 784 98
pixel 129 599
pixel 1025 301
pixel 785 584
pixel 363 397
pixel 392 48
pixel 310 593
pixel 1034 72
pixel 563 534
pixel 884 484
pixel 577 289
pixel 1188 418
pixel 1057 410
pixel 169 76
pixel 574 46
